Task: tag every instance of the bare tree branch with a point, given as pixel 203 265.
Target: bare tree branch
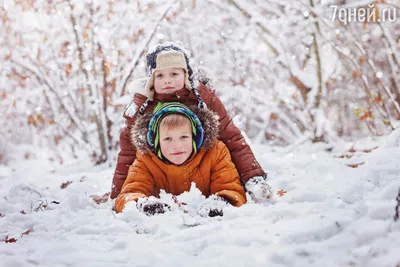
pixel 122 89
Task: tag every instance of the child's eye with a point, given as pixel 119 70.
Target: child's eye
pixel 184 136
pixel 167 139
pixel 174 74
pixel 158 75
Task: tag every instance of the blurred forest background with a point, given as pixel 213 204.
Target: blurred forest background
pixel 286 70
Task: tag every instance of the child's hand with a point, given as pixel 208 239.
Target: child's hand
pixel 152 205
pixel 258 188
pixel 212 206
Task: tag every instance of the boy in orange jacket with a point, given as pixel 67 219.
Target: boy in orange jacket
pixel 175 148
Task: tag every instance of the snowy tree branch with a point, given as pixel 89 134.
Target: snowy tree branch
pixel 141 50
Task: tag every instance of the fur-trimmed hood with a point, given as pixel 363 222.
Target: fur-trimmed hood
pixel 208 118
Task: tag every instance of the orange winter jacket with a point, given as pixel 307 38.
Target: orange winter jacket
pixel 213 172
pixel 241 152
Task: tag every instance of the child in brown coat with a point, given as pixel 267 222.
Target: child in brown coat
pixel 171 80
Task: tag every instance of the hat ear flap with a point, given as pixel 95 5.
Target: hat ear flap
pixel 188 85
pixel 150 87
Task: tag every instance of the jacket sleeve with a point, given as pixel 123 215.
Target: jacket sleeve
pixel 241 153
pixel 139 183
pixel 127 154
pixel 126 157
pixel 225 181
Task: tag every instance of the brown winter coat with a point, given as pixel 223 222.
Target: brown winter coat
pixel 229 134
pixel 211 169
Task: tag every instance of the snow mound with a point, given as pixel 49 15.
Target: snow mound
pixel 393 139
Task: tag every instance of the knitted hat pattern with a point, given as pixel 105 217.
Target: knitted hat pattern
pixel 168 55
pixel 151 57
pixel 164 60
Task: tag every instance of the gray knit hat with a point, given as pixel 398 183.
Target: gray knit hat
pixel 168 55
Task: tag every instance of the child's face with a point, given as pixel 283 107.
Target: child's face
pixel 167 81
pixel 176 143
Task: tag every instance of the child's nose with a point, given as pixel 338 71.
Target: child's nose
pixel 177 145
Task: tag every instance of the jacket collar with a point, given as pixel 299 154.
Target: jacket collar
pixel 175 96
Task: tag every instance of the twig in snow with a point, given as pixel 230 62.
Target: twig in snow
pixel 396 216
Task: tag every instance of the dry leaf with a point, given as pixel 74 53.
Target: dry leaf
pixel 300 85
pixel 378 100
pixel 22 212
pixel 361 59
pixel 40 118
pixel 10 240
pixel 366 115
pixel 352 150
pixel 102 199
pixel 355 165
pixel 330 82
pixel 106 68
pixel 281 192
pixel 354 74
pixel 114 85
pixel 64 185
pixel 32 120
pixel 27 232
pixel 370 150
pixel 68 69
pixel 344 156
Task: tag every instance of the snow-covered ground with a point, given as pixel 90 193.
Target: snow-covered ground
pixel 331 215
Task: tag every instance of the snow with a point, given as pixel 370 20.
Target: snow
pixel 131 109
pixel 393 139
pixel 331 215
pixel 338 207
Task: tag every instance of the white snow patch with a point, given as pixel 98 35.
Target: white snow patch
pixel 331 215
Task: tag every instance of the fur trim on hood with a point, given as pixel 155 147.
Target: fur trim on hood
pixel 208 118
